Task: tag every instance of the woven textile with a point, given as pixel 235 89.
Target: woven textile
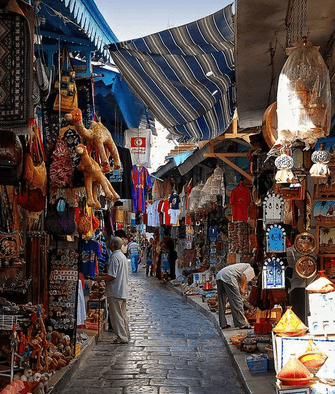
pixel 15 72
pixel 184 75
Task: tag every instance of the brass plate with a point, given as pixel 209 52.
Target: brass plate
pixel 306 267
pixel 305 243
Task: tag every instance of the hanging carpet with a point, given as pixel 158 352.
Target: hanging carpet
pixel 184 75
pixel 16 25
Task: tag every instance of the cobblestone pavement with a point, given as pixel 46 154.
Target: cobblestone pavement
pixel 174 349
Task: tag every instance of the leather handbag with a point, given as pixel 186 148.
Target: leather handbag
pixel 65 85
pixel 34 172
pixel 59 219
pixel 32 200
pixel 11 158
pixel 84 222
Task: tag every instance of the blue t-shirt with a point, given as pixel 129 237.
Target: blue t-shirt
pixel 174 201
pixel 90 252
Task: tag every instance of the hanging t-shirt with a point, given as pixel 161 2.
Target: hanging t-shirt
pixel 240 199
pixel 174 201
pixel 138 141
pixel 150 214
pixel 121 179
pixel 90 252
pixel 174 216
pixel 141 184
pixel 104 251
pixel 165 210
pixel 156 217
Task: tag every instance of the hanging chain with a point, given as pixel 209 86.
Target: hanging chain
pixel 296 23
pixel 302 16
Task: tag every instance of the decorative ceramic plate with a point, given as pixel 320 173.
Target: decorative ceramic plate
pixel 305 243
pixel 306 267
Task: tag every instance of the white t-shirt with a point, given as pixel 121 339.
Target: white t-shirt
pixel 118 268
pixel 174 214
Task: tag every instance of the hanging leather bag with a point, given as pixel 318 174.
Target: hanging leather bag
pixel 59 219
pixel 11 158
pixel 34 172
pixel 84 222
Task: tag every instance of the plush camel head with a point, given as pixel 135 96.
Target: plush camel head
pixel 74 116
pixel 81 149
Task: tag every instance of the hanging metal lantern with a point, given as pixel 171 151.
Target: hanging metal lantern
pixel 320 158
pixel 284 163
pixel 304 96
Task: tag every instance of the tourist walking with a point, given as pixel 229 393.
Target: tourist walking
pixel 133 251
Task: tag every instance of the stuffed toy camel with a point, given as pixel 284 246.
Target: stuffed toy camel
pixel 93 176
pixel 97 136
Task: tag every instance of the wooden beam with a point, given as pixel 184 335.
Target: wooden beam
pixel 226 154
pixel 237 168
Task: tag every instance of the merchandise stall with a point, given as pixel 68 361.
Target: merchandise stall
pixel 299 236
pixel 61 174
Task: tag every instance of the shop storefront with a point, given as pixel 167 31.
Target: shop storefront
pixel 62 170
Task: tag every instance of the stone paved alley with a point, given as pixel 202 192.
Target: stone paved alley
pixel 174 349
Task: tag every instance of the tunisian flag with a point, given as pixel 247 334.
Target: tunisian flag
pixel 138 141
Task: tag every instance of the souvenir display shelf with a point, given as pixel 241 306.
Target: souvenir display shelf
pixel 63 286
pixel 100 304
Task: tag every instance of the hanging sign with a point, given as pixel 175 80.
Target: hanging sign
pixel 138 141
pixel 275 239
pixel 273 208
pixel 273 274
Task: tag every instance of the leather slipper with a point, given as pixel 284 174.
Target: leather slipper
pixel 227 326
pixel 118 341
pixel 246 327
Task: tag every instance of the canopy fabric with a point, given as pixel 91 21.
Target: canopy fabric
pixel 89 18
pixel 184 75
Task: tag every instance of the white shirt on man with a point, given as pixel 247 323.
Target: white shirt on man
pixel 118 268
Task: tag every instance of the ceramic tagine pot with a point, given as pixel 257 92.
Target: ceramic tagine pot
pixel 294 373
pixel 249 345
pixel 321 284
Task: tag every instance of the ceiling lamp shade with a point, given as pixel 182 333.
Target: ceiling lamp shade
pixel 304 96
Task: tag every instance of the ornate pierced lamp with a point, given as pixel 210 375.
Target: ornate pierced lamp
pixel 284 163
pixel 320 158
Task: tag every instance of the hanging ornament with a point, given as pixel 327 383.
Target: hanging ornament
pixel 320 158
pixel 284 163
pixel 304 96
pixel 273 273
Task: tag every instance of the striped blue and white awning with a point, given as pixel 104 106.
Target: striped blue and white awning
pixel 184 75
